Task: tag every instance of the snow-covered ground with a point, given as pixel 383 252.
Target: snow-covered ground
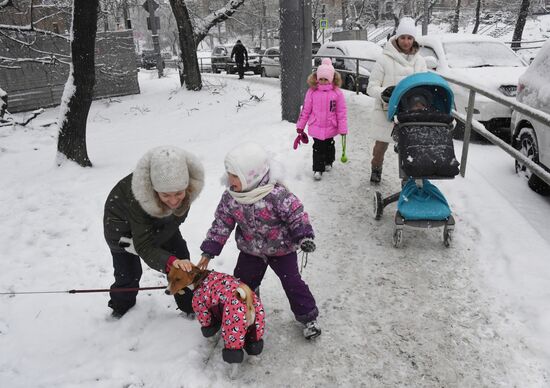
pixel 471 315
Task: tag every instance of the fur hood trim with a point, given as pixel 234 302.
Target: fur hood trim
pixel 392 50
pixel 147 197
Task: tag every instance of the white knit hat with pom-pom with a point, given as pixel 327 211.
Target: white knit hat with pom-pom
pixel 325 70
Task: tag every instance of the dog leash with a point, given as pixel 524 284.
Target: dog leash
pixel 85 291
pixel 303 263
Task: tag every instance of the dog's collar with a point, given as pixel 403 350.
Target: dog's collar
pixel 199 279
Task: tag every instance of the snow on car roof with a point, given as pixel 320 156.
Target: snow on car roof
pixel 356 48
pixel 457 38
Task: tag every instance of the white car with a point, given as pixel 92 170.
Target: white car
pixel 348 67
pixel 483 61
pixel 271 64
pixel 531 137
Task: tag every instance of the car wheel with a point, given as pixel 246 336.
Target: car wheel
pixel 350 83
pixel 263 72
pixel 528 146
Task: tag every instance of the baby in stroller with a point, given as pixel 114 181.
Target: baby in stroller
pixel 420 107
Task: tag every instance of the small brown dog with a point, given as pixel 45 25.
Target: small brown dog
pixel 178 279
pixel 242 313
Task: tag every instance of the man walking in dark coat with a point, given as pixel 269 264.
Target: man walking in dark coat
pixel 241 55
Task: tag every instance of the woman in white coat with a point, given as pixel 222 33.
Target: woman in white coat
pixel 399 59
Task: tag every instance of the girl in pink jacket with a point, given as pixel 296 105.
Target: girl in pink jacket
pixel 324 111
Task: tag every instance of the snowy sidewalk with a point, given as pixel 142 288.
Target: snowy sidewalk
pixel 420 316
pixel 414 316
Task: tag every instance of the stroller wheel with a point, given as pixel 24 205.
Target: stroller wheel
pixel 378 206
pixel 447 236
pixel 397 238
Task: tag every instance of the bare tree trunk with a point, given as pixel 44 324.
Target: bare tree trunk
pixel 262 23
pixel 78 93
pixel 315 17
pixel 454 27
pixel 520 24
pixel 425 17
pixel 478 12
pixel 190 75
pixel 344 15
pixel 189 38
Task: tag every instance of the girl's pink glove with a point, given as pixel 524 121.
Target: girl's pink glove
pixel 301 138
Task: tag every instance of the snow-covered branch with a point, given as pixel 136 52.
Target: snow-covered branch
pixel 10 120
pixel 218 16
pixel 10 63
pixel 253 99
pixel 30 28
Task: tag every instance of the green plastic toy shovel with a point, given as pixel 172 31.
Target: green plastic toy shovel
pixel 344 158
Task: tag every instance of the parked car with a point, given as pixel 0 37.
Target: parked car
pixel 221 60
pixel 348 67
pixel 271 64
pixel 204 59
pixel 480 60
pixel 315 46
pixel 529 136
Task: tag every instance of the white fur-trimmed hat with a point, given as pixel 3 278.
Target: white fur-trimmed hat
pixel 406 27
pixel 169 172
pixel 249 162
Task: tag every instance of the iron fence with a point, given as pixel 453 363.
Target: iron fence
pixel 470 123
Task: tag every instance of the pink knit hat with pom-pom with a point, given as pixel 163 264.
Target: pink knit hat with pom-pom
pixel 326 70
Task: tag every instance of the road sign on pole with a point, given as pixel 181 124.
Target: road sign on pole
pixel 146 5
pixel 156 21
pixel 323 24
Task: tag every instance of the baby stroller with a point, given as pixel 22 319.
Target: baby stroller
pixel 420 107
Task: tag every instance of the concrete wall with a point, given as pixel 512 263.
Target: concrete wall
pixel 32 85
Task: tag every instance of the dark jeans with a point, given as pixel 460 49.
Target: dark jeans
pixel 251 270
pixel 240 69
pixel 128 273
pixel 324 153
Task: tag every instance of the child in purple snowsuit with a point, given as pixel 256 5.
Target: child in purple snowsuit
pixel 271 226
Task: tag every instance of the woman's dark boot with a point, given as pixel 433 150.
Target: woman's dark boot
pixel 376 175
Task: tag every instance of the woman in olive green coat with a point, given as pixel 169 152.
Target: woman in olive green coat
pixel 142 216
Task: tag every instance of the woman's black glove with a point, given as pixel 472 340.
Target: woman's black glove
pixel 386 93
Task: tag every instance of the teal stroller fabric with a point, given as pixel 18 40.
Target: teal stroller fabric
pixel 422 203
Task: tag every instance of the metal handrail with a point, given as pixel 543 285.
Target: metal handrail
pixel 470 123
pixel 537 43
pixel 527 41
